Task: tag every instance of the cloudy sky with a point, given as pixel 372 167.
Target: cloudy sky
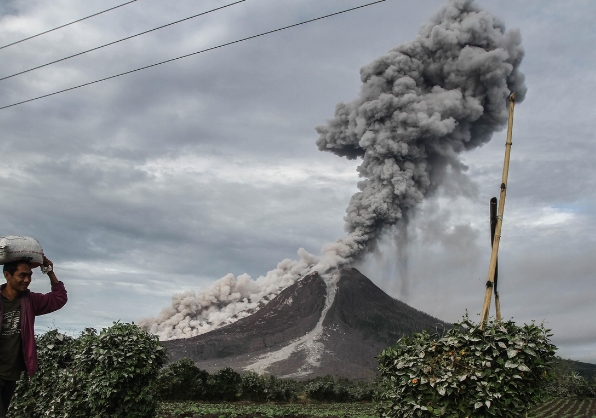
pixel 167 179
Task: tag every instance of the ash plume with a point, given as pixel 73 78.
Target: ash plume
pixel 225 301
pixel 420 106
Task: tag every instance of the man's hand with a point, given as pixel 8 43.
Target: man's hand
pixel 48 263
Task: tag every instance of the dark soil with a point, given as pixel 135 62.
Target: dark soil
pixel 566 408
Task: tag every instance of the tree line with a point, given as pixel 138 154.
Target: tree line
pixel 122 371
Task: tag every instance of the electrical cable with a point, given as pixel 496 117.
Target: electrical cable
pixel 195 53
pixel 68 24
pixel 120 40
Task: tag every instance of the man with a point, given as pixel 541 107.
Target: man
pixel 18 309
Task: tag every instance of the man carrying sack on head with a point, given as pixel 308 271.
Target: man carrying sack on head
pixel 18 309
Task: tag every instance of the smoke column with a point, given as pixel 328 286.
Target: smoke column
pixel 420 106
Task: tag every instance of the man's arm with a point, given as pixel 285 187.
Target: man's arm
pixel 49 302
pixel 51 274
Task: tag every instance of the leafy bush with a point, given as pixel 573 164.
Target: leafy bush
pixel 111 374
pixel 224 385
pixel 282 390
pixel 499 371
pixel 362 391
pixel 255 387
pixel 182 381
pixel 321 389
pixel 328 389
pixel 570 385
pixel 258 388
pixel 55 355
pixel 568 382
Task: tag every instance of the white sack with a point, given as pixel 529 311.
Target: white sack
pixel 17 248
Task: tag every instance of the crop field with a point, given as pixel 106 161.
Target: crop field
pixel 246 410
pixel 566 408
pixel 555 408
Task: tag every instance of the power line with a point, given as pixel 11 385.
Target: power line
pixel 68 24
pixel 120 40
pixel 195 53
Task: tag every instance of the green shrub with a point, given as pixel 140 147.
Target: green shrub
pixel 567 382
pixel 224 385
pixel 570 385
pixel 362 391
pixel 182 381
pixel 498 372
pixel 111 374
pixel 321 389
pixel 329 389
pixel 255 387
pixel 282 390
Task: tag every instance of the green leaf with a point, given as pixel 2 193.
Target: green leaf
pixel 522 367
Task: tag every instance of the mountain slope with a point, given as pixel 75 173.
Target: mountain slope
pixel 363 321
pixel 294 312
pixel 319 325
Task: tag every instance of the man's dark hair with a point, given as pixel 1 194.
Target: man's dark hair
pixel 13 266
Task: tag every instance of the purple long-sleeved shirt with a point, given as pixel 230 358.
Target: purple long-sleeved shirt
pixel 32 305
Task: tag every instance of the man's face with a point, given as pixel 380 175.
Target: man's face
pixel 21 278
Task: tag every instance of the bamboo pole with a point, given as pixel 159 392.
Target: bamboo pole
pixel 493 224
pixel 495 250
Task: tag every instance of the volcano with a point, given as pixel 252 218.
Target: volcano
pixel 317 326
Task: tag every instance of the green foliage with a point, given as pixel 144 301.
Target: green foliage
pixel 266 410
pixel 111 374
pixel 321 389
pixel 224 385
pixel 255 387
pixel 570 385
pixel 499 371
pixel 282 390
pixel 182 381
pixel 362 391
pixel 258 388
pixel 552 408
pixel 567 382
pixel 328 389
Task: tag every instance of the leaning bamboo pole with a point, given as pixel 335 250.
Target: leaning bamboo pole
pixel 495 250
pixel 493 224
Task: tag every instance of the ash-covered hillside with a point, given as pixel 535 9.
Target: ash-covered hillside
pixel 334 324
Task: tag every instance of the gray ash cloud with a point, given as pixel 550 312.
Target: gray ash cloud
pixel 420 106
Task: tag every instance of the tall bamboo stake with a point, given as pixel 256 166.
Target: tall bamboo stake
pixel 493 224
pixel 495 251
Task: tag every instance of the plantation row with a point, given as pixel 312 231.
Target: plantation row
pixel 243 410
pixel 565 408
pixel 120 372
pixel 182 380
pixel 553 408
pixel 502 370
